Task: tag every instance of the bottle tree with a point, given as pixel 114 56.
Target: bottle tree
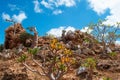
pixel 105 34
pixel 35 37
pixel 54 66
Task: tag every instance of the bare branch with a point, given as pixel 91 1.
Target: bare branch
pixel 39 66
pixel 32 70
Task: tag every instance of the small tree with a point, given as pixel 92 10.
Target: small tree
pixel 53 67
pixel 106 34
pixel 11 20
pixel 35 39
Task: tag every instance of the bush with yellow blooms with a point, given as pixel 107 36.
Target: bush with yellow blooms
pixel 56 64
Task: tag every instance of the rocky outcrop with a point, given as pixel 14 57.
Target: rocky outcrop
pixel 12 35
pixel 16 35
pixel 108 65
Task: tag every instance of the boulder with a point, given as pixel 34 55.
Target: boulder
pixel 12 76
pixel 82 72
pixel 108 65
pixel 70 35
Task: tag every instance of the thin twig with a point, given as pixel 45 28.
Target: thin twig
pixel 40 66
pixel 32 70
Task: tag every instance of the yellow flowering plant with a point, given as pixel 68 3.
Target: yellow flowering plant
pixel 64 59
pixel 59 62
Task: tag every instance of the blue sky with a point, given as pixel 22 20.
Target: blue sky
pixel 51 16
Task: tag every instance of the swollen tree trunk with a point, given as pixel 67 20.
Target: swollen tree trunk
pixel 104 47
pixel 63 35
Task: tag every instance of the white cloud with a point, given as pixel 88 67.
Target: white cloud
pixel 100 6
pixel 17 18
pixel 57 32
pixel 57 3
pixel 56 12
pixel 5 16
pixel 97 5
pixel 13 7
pixel 86 29
pixel 53 4
pixel 117 42
pixel 37 8
pixel 67 3
pixel 47 4
pixel 20 17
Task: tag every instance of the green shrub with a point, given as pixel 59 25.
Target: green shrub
pixel 23 37
pixel 112 54
pixel 90 63
pixel 86 40
pixel 22 58
pixel 33 51
pixel 106 78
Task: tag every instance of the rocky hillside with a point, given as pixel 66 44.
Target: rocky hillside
pixel 82 45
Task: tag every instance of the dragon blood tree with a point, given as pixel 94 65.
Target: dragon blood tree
pixel 55 66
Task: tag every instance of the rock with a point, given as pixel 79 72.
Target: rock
pixel 117 69
pixel 28 42
pixel 82 72
pixel 103 56
pixel 104 65
pixel 69 35
pixel 69 45
pixel 87 51
pixel 12 76
pixel 97 48
pixel 109 50
pixel 78 51
pixel 11 39
pixel 109 65
pixel 6 55
pixel 78 46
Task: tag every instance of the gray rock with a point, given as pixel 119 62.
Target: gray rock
pixel 78 51
pixel 81 70
pixel 109 50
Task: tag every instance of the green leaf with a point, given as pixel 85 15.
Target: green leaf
pixel 33 51
pixel 89 62
pixel 22 58
pixel 62 67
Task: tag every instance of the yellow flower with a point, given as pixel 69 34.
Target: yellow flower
pixel 67 59
pixel 67 51
pixel 54 41
pixel 59 46
pixel 62 60
pixel 72 61
pixel 52 46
